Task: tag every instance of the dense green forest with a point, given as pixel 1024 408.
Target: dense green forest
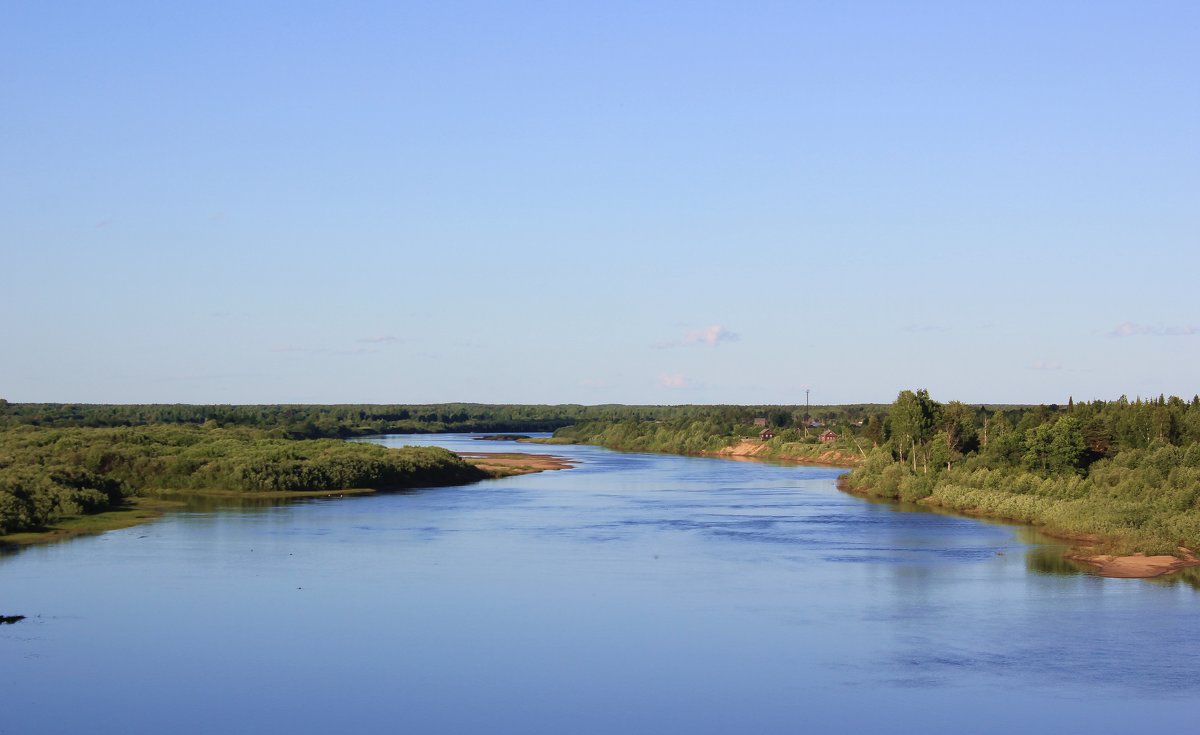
pixel 1124 471
pixel 48 474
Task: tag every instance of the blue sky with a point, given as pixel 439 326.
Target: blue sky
pixel 598 202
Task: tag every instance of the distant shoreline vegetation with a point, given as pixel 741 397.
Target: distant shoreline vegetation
pixel 300 421
pixel 1122 474
pixel 81 462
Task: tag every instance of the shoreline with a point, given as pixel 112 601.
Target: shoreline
pixel 1083 549
pixel 136 512
pixel 150 507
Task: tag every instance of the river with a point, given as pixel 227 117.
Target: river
pixel 635 593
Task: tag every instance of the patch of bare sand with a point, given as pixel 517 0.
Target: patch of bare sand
pixel 1137 565
pixel 508 464
pixel 743 449
pixel 754 448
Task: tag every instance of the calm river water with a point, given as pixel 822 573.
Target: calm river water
pixel 634 594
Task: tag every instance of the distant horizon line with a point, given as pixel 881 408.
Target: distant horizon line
pixel 985 404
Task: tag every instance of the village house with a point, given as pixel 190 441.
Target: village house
pixel 828 436
pixel 766 434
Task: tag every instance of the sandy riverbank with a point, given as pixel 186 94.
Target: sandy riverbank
pixel 761 450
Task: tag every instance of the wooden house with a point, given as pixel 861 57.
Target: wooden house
pixel 766 434
pixel 828 436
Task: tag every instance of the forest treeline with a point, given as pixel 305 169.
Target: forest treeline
pixel 297 421
pixel 50 473
pixel 341 421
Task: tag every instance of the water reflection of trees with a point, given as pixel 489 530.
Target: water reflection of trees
pixel 1189 576
pixel 1050 560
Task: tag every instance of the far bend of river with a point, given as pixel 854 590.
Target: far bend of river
pixel 636 593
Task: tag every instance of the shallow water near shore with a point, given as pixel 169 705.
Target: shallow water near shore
pixel 634 593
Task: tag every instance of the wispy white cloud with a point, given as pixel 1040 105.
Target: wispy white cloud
pixel 1045 365
pixel 922 328
pixel 1130 329
pixel 300 349
pixel 378 339
pixel 711 335
pixel 673 380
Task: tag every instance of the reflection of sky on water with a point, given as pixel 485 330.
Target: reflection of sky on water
pixel 635 593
